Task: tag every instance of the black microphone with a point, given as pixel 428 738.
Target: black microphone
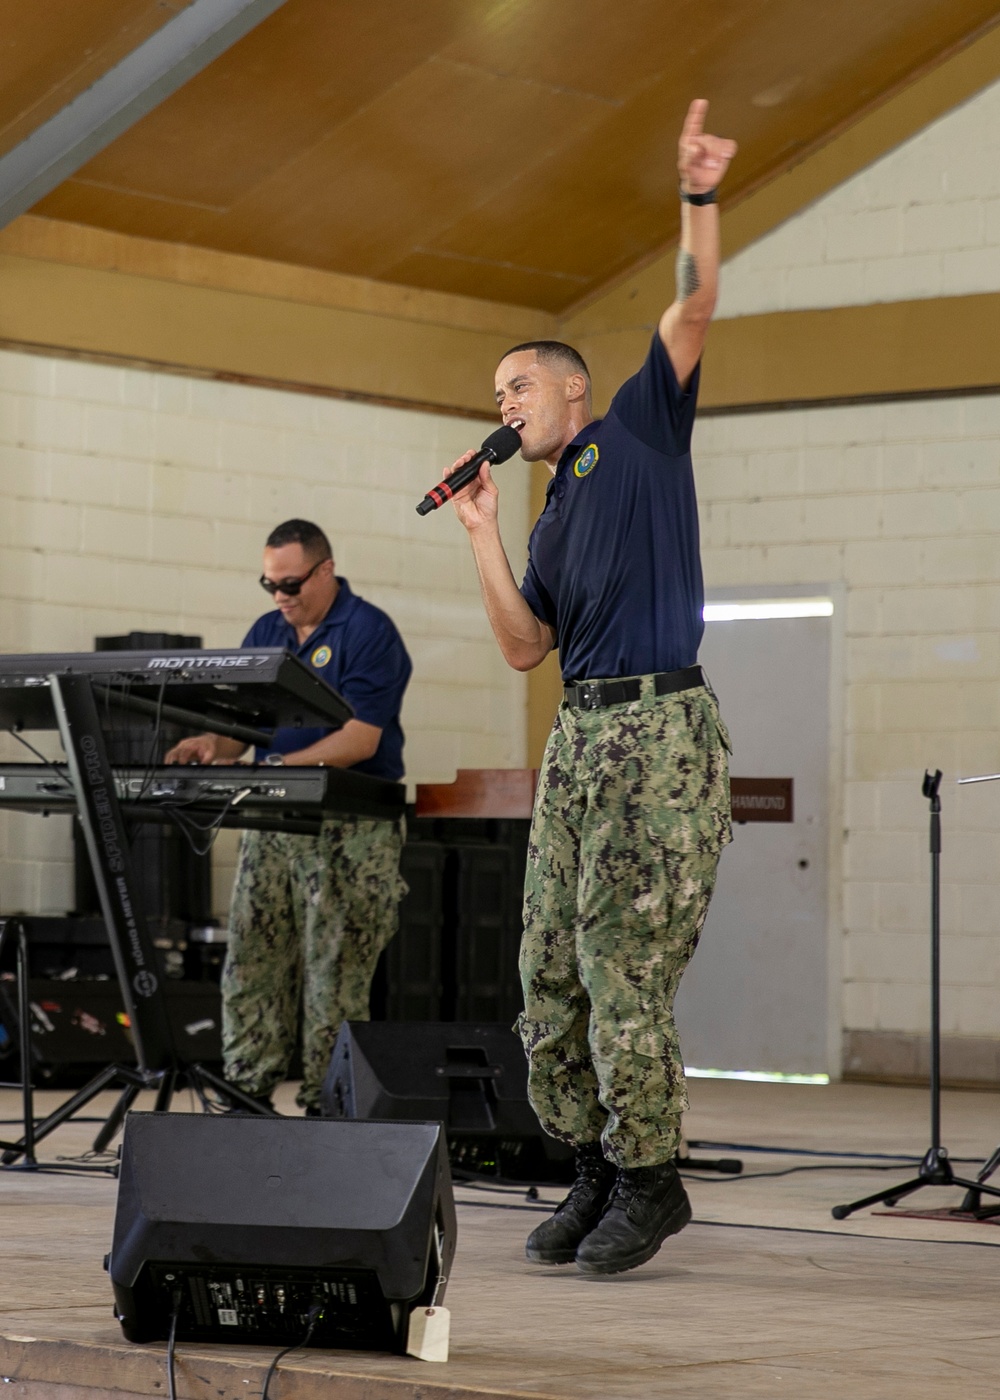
pixel 497 448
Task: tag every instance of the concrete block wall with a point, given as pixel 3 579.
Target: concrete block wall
pixel 900 502
pixel 924 221
pixel 131 499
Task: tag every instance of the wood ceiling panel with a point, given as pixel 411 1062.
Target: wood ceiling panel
pixel 293 80
pixel 609 50
pixel 589 213
pixel 80 202
pixel 389 178
pixel 516 150
pixel 407 159
pixel 52 51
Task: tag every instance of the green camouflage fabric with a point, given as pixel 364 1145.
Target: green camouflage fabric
pixel 631 814
pixel 309 917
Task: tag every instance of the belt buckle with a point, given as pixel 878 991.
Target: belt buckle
pixel 590 695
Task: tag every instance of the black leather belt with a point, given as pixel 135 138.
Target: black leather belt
pixel 595 695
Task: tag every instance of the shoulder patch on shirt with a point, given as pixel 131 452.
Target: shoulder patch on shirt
pixel 321 656
pixel 587 460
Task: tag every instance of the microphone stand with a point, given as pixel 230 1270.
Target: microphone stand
pixel 973 1202
pixel 935 1169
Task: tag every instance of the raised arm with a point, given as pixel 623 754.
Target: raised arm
pixel 702 161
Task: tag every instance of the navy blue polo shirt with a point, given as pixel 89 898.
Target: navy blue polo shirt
pixel 613 561
pixel 357 650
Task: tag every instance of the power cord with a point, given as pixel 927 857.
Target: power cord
pixel 57 769
pixel 154 745
pixel 791 1171
pixel 171 1346
pixel 806 1151
pixel 314 1315
pixel 192 829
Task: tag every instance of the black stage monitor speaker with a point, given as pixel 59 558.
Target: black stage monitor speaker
pixel 472 1078
pixel 246 1224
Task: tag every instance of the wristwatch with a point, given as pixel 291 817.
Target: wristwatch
pixel 706 197
pixel 275 760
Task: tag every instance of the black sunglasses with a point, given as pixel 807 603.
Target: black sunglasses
pixel 291 587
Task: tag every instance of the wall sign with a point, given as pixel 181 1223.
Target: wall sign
pixel 762 799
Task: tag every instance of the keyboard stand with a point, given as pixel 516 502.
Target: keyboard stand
pixel 15 927
pixel 159 1067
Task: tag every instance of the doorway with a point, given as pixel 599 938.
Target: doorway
pixel 757 994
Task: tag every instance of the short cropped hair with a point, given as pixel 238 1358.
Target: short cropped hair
pixel 554 352
pixel 312 539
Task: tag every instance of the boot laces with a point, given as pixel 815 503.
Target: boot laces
pixel 630 1184
pixel 591 1171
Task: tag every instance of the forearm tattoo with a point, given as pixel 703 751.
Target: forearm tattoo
pixel 688 280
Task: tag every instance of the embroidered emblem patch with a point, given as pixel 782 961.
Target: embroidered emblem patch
pixel 587 460
pixel 321 656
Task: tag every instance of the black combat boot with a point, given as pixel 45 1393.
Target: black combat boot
pixel 555 1240
pixel 646 1205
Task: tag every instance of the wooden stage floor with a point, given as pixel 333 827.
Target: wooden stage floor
pixel 763 1295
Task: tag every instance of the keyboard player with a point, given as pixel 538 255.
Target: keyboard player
pixel 311 914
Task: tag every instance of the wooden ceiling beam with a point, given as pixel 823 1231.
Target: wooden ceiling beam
pixel 133 87
pixel 435 361
pixel 78 245
pixel 851 354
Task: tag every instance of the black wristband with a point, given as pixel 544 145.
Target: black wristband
pixel 707 198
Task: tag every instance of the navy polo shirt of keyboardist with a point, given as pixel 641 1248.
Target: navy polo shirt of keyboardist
pixel 357 650
pixel 613 561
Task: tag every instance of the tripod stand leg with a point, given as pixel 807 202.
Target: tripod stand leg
pixel 888 1197
pixel 972 1201
pixel 73 1105
pixel 201 1077
pixel 24 1035
pixel 973 1198
pixel 116 1117
pixel 986 1171
pixel 30 1162
pixel 165 1092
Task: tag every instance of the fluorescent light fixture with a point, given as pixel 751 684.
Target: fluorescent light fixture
pixel 757 1076
pixel 759 609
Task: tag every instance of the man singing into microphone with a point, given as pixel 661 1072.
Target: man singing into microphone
pixel 632 808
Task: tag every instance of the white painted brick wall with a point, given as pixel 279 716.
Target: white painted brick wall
pixel 133 500
pixel 900 503
pixel 923 221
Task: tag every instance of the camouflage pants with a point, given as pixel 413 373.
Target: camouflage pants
pixel 631 813
pixel 309 917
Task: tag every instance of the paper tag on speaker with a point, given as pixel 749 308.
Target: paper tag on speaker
pixel 427 1339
